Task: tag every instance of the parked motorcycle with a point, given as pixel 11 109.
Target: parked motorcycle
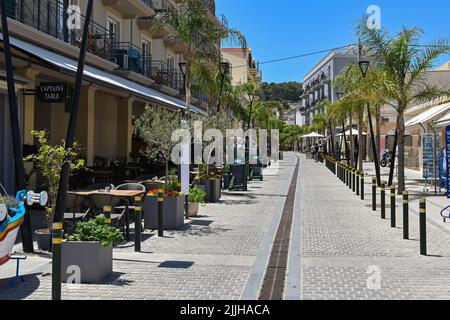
pixel 386 159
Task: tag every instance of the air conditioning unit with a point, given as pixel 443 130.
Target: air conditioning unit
pixel 122 61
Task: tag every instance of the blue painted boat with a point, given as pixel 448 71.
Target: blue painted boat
pixel 9 228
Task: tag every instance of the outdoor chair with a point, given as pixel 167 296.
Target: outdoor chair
pixel 119 213
pixel 75 211
pixel 134 187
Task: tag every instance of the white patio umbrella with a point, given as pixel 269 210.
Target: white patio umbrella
pixel 353 132
pixel 313 135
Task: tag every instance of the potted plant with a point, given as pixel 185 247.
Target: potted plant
pixel 48 161
pixel 90 248
pixel 196 197
pixel 173 208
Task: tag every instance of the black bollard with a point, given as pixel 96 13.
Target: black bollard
pixel 393 209
pixel 374 194
pixel 107 212
pixel 383 200
pixel 354 181
pixel 423 227
pixel 362 186
pixel 160 215
pixel 406 215
pixel 358 179
pixel 137 223
pixel 350 178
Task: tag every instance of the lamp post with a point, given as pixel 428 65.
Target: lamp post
pixel 364 67
pixel 186 149
pixel 224 70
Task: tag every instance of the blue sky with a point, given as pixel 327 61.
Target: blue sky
pixel 282 28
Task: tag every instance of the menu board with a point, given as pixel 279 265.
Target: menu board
pixel 447 156
pixel 428 154
pixel 238 172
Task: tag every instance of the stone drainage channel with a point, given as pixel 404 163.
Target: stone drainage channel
pixel 273 285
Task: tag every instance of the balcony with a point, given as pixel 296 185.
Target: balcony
pixel 50 18
pixel 164 75
pixel 130 58
pixel 131 8
pixel 151 24
pixel 176 44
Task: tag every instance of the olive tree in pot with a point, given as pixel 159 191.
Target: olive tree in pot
pixel 90 248
pixel 196 198
pixel 156 127
pixel 48 161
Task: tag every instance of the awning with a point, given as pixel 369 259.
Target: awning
pixel 100 76
pixel 428 115
pixel 444 121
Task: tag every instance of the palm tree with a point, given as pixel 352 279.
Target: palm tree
pixel 320 123
pixel 339 111
pixel 402 78
pixel 193 26
pixel 357 98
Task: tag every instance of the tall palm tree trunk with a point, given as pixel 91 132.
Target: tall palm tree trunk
pixel 378 125
pixel 393 157
pixel 360 139
pixel 352 142
pixel 332 138
pixel 374 148
pixel 345 143
pixel 401 154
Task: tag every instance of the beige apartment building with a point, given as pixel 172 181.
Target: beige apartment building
pixel 244 66
pixel 131 61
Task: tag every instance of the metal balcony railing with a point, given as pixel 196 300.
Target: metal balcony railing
pixel 165 75
pixel 131 58
pixel 223 20
pixel 163 6
pixel 50 17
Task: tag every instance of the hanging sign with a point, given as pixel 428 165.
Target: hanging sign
pixel 52 92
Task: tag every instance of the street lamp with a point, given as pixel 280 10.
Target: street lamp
pixel 184 170
pixel 364 67
pixel 224 70
pixel 182 66
pixel 340 95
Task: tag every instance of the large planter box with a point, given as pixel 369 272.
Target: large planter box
pixel 94 260
pixel 173 213
pixel 211 197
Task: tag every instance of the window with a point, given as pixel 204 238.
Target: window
pixel 113 29
pixel 170 62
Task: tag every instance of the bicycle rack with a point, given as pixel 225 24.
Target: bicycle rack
pixel 448 214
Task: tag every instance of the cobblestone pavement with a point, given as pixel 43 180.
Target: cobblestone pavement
pixel 211 258
pixel 347 250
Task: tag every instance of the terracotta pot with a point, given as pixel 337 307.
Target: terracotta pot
pixel 194 207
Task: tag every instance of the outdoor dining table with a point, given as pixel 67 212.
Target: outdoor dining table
pixel 126 195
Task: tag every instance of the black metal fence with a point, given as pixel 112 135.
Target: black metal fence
pixel 51 17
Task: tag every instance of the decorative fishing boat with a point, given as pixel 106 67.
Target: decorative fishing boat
pixel 12 213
